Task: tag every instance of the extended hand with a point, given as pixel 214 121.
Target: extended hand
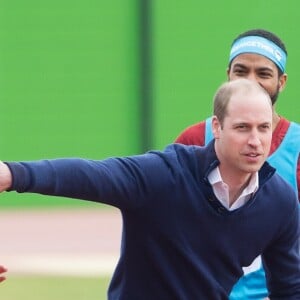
pixel 2 270
pixel 5 177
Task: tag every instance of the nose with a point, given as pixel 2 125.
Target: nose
pixel 254 139
pixel 252 76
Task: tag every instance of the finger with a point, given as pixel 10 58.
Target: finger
pixel 2 278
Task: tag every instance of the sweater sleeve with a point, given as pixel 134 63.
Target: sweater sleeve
pixel 120 182
pixel 281 259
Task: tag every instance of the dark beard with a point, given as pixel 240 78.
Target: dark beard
pixel 274 96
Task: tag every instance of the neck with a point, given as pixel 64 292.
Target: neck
pixel 236 191
pixel 236 184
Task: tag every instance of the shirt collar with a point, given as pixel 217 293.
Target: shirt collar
pixel 215 176
pixel 220 187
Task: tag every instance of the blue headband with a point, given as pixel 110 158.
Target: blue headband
pixel 259 45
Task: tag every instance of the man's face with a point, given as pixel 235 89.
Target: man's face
pixel 260 69
pixel 243 141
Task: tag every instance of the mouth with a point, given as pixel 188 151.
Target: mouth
pixel 253 157
pixel 253 154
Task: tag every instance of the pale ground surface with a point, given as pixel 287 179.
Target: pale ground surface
pixel 75 242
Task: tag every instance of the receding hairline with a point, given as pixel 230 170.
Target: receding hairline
pixel 226 90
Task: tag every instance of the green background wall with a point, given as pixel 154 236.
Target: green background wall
pixel 70 73
pixel 68 78
pixel 191 41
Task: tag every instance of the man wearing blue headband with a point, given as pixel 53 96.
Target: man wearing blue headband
pixel 259 55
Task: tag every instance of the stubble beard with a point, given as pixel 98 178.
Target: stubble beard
pixel 275 96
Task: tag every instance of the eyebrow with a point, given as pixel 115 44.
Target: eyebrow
pixel 239 65
pixel 249 123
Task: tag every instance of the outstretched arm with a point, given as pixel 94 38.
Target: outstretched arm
pixel 116 181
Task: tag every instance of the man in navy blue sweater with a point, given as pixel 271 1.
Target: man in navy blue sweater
pixel 193 216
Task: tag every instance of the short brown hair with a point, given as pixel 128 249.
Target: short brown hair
pixel 225 91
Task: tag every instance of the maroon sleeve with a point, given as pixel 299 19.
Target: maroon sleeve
pixel 193 135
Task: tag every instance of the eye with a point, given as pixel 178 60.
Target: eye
pixel 265 75
pixel 265 126
pixel 241 127
pixel 239 72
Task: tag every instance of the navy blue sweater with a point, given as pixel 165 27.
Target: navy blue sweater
pixel 178 241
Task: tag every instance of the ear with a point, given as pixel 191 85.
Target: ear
pixel 216 127
pixel 227 73
pixel 282 82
